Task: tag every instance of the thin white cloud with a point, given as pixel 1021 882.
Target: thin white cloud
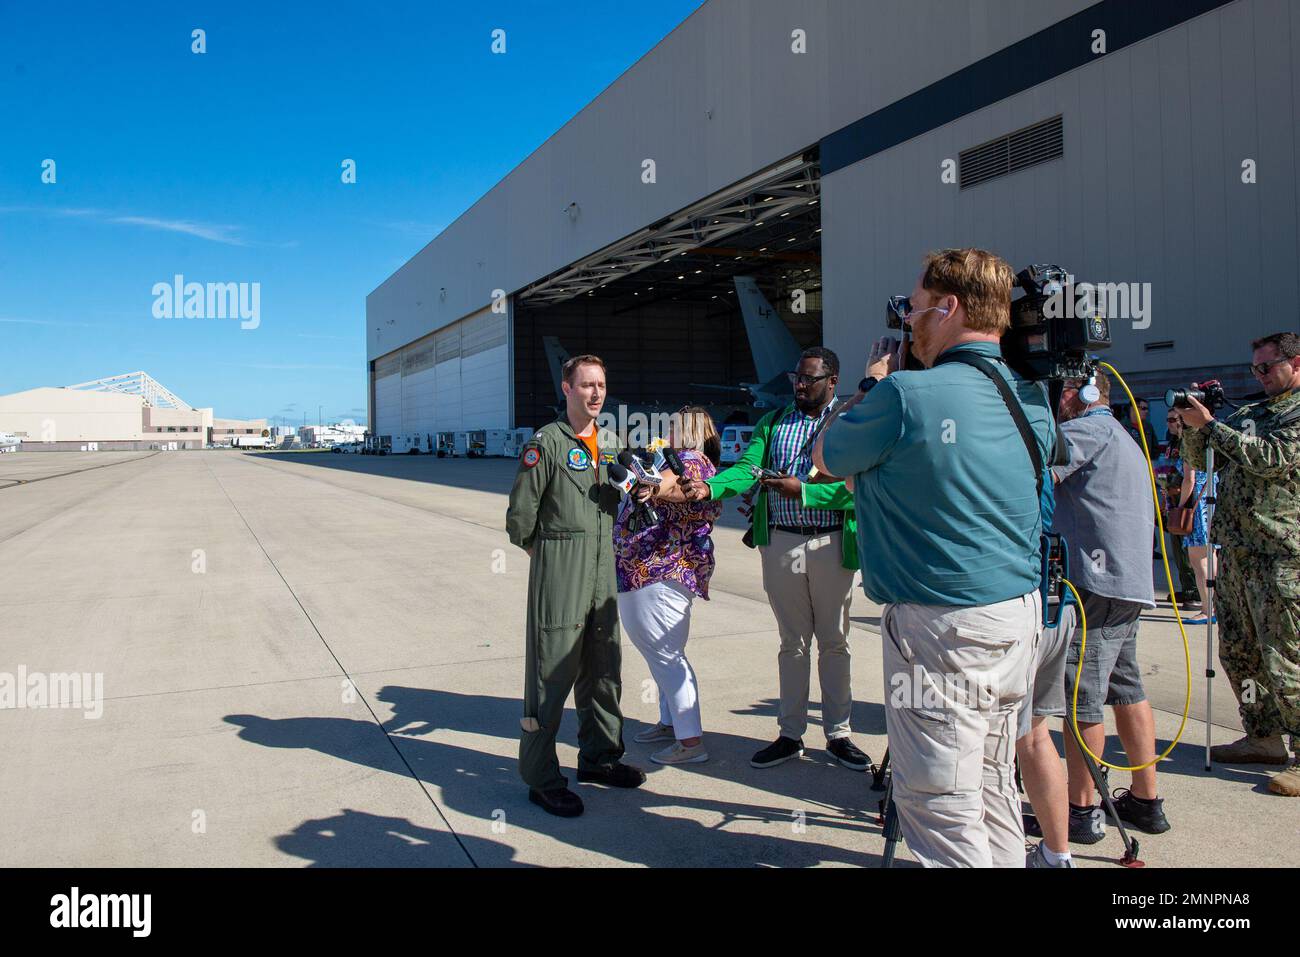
pixel 49 322
pixel 212 232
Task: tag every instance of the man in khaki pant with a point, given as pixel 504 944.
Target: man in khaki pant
pixel 804 532
pixel 949 522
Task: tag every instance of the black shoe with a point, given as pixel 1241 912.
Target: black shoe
pixel 1087 825
pixel 1147 816
pixel 778 752
pixel 619 776
pixel 558 801
pixel 847 753
pixel 1032 827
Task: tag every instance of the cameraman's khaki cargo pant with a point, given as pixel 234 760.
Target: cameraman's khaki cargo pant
pixel 955 680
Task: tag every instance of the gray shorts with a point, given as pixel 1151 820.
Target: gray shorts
pixel 1110 672
pixel 1048 689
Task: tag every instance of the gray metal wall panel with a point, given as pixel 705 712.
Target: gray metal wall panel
pixel 1149 190
pixel 732 57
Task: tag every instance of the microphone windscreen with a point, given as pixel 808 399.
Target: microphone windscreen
pixel 625 459
pixel 674 461
pixel 616 473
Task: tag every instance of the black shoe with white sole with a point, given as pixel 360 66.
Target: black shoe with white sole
pixel 848 754
pixel 779 751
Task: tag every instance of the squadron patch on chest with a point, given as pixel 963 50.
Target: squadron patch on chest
pixel 579 460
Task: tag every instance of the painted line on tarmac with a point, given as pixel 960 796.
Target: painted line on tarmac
pixel 88 468
pixel 364 700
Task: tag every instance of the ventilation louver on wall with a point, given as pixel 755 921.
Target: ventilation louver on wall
pixel 1008 154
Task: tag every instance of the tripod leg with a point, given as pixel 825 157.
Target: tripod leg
pixel 879 771
pixel 1130 858
pixel 1210 574
pixel 893 829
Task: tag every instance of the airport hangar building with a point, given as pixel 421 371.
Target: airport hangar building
pixel 806 144
pixel 121 413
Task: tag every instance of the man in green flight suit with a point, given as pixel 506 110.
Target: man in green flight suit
pixel 1257 528
pixel 561 512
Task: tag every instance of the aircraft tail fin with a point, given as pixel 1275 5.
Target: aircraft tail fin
pixel 556 357
pixel 774 348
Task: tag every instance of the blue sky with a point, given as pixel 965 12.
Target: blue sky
pixel 225 167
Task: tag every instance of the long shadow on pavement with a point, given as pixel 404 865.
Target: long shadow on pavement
pixel 636 827
pixel 359 839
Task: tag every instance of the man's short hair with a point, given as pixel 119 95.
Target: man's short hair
pixel 980 280
pixel 571 367
pixel 1288 343
pixel 829 358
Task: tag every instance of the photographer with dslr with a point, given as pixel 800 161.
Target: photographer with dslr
pixel 949 527
pixel 1257 526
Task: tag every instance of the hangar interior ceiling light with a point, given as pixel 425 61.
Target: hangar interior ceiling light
pixel 155 394
pixel 780 189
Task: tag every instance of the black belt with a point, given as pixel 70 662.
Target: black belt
pixel 807 531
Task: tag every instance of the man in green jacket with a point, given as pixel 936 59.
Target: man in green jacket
pixel 561 512
pixel 806 533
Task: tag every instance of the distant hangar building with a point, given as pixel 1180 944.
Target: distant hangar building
pixel 823 147
pixel 118 413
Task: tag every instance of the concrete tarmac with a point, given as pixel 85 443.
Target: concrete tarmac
pixel 317 659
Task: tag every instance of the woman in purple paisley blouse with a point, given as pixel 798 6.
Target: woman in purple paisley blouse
pixel 660 571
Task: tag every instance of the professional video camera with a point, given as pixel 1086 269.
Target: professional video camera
pixel 1211 396
pixel 1043 342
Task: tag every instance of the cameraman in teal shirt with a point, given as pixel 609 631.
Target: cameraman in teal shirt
pixel 948 529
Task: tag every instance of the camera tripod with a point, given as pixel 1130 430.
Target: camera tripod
pixel 1211 565
pixel 882 779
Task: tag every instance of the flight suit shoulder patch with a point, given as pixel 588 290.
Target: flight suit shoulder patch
pixel 531 457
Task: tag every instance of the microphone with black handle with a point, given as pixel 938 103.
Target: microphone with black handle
pixel 628 473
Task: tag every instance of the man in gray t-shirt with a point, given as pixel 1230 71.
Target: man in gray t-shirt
pixel 1105 512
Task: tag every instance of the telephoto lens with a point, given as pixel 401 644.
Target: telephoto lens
pixel 1211 397
pixel 1177 398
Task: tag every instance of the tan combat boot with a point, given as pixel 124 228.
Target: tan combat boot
pixel 1287 783
pixel 1250 750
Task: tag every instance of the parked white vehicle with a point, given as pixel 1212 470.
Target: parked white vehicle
pixel 735 439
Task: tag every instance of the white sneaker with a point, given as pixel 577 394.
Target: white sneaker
pixel 678 753
pixel 660 732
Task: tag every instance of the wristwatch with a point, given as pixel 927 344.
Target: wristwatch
pixel 867 384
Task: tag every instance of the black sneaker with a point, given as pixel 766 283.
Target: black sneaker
pixel 619 776
pixel 558 801
pixel 1147 816
pixel 778 752
pixel 848 754
pixel 1031 825
pixel 1087 824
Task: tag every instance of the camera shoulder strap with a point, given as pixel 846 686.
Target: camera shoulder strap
pixel 1013 406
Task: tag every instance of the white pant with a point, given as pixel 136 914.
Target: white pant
pixel 957 678
pixel 657 620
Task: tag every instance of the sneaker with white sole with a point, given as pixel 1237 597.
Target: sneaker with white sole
pixel 1036 858
pixel 678 753
pixel 660 732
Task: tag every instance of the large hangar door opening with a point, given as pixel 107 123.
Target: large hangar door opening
pixel 455 379
pixel 666 308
